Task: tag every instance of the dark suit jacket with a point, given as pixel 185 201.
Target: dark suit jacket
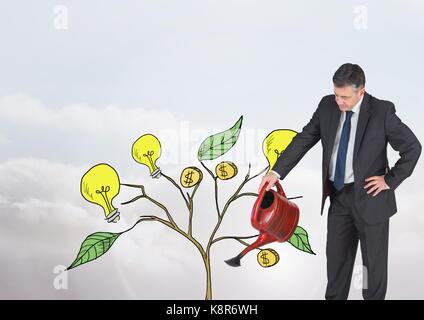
pixel 377 125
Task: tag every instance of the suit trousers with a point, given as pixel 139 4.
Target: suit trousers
pixel 345 229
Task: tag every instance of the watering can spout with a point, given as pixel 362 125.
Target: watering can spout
pixel 264 238
pixel 234 262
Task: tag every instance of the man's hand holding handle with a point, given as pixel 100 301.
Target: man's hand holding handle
pixel 271 177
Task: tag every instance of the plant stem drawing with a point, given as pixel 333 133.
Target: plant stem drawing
pixel 102 179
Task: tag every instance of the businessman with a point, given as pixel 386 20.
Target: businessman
pixel 354 128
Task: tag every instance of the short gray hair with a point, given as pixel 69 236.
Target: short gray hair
pixel 349 74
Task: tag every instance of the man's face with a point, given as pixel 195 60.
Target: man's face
pixel 347 97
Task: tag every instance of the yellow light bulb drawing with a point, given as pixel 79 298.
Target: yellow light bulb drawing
pixel 275 143
pixel 146 150
pixel 100 185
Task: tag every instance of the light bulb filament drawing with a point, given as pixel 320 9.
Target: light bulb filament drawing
pixel 278 153
pixel 103 192
pixel 149 155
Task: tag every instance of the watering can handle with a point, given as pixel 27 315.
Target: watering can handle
pixel 279 190
pixel 262 192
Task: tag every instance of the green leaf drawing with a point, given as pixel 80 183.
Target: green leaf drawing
pixel 300 240
pixel 216 145
pixel 94 246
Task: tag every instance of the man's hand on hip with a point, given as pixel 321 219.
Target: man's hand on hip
pixel 271 178
pixel 375 184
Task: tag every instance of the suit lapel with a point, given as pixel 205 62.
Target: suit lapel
pixel 364 116
pixel 332 130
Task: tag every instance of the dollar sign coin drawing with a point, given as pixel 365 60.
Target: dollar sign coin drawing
pixel 190 177
pixel 226 170
pixel 268 258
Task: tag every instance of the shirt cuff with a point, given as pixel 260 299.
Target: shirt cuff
pixel 387 186
pixel 276 173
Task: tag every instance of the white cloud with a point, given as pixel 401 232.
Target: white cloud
pixel 45 219
pixel 80 132
pixel 23 110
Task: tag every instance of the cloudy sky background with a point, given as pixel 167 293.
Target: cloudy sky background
pixel 182 70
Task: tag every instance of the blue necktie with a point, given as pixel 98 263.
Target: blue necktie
pixel 339 175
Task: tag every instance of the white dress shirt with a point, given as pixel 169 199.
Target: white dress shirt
pixel 349 177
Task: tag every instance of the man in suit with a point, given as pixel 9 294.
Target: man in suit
pixel 354 128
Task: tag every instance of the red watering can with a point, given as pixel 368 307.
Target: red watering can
pixel 274 216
